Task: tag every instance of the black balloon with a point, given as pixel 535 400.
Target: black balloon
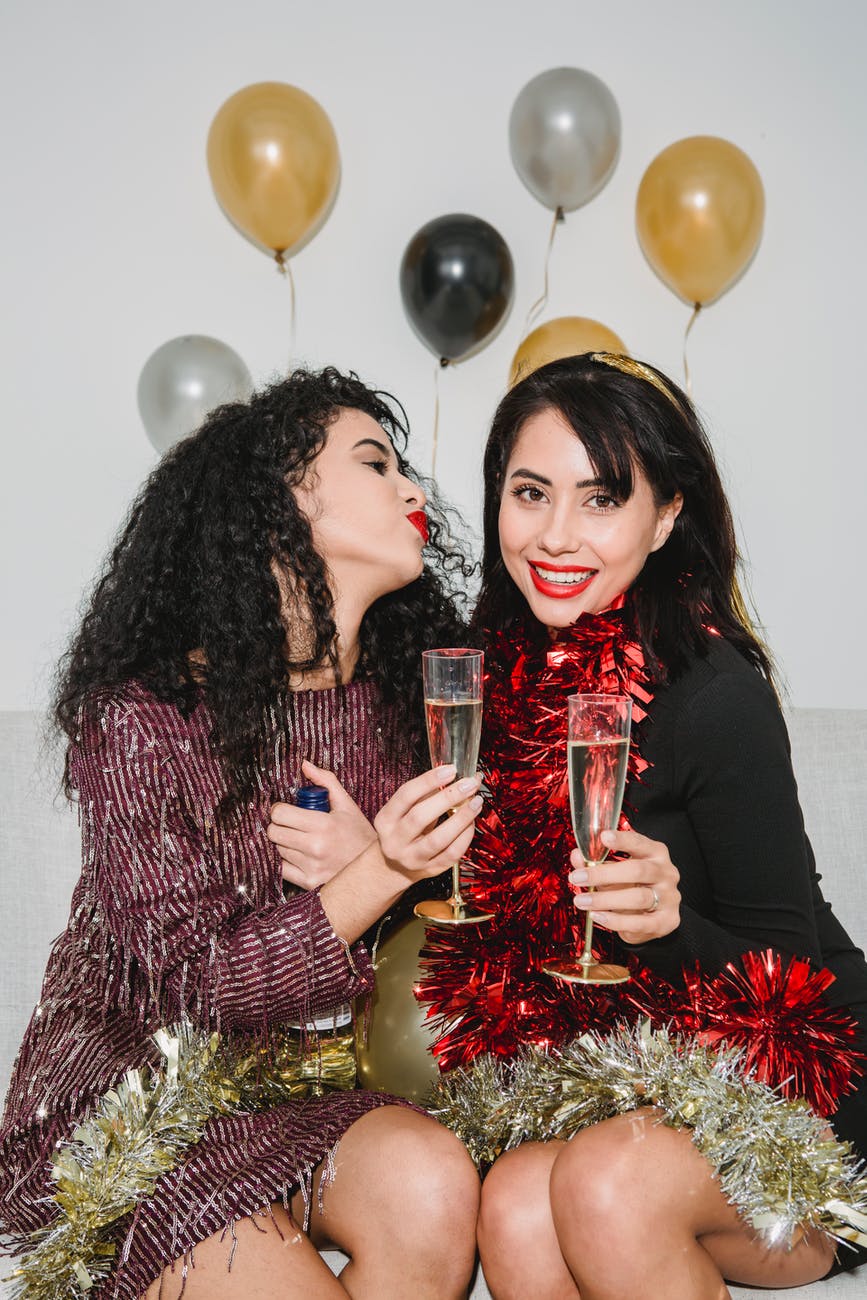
pixel 456 281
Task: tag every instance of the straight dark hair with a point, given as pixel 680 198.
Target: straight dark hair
pixel 627 417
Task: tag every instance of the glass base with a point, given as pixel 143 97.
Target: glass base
pixel 444 911
pixel 572 971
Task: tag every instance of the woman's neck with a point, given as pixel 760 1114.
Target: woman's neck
pixel 326 676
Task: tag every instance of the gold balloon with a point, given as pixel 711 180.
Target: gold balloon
pixel 274 164
pixel 699 216
pixel 566 336
pixel 394 1055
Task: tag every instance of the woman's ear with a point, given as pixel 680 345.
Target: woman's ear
pixel 666 520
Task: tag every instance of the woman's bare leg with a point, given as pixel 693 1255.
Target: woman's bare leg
pixel 403 1205
pixel 273 1260
pixel 518 1245
pixel 634 1202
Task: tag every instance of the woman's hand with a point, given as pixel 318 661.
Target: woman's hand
pixel 314 846
pixel 637 897
pixel 414 842
pixel 411 844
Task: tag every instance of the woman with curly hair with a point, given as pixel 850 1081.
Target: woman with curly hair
pixel 265 604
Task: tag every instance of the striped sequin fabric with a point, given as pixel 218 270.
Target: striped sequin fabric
pixel 178 913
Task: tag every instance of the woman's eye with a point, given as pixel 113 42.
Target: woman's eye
pixel 528 492
pixel 381 466
pixel 602 501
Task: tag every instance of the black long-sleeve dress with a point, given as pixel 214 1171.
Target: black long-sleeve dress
pixel 715 784
pixel 721 794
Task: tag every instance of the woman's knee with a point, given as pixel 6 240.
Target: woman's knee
pixel 599 1170
pixel 425 1174
pixel 515 1202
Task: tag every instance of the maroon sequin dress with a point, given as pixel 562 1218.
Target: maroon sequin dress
pixel 175 916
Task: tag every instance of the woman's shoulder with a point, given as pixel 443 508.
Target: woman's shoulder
pixel 721 665
pixel 720 693
pixel 131 719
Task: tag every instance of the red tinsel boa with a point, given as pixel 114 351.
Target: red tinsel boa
pixel 485 986
pixel 486 983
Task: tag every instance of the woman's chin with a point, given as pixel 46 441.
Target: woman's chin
pixel 557 614
pixel 405 578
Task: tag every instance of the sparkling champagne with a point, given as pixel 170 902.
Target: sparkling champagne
pixel 453 683
pixel 597 777
pixel 454 728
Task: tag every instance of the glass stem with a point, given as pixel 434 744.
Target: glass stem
pixel 457 901
pixel 586 958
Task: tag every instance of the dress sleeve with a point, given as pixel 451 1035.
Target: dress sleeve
pixel 733 770
pixel 204 948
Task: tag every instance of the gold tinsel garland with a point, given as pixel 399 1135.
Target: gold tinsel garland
pixel 140 1129
pixel 771 1156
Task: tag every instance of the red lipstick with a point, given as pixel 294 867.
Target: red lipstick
pixel 418 519
pixel 560 590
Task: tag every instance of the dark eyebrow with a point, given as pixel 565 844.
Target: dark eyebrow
pixel 386 450
pixel 528 473
pixel 540 478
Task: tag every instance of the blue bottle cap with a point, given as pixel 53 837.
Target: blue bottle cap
pixel 313 796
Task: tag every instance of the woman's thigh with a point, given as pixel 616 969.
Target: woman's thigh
pixel 396 1187
pixel 638 1178
pixel 390 1168
pixel 259 1258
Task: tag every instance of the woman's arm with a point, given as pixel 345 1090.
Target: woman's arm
pixel 733 771
pixel 207 949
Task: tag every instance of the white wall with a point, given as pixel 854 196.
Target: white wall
pixel 113 244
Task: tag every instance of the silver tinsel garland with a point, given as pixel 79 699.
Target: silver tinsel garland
pixel 141 1128
pixel 772 1157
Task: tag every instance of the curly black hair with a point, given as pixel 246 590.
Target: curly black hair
pixel 629 417
pixel 189 601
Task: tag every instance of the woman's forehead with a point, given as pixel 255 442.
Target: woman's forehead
pixel 547 436
pixel 351 429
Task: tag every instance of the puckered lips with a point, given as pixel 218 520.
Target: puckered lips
pixel 560 581
pixel 418 519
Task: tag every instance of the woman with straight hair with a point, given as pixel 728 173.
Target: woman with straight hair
pixel 610 566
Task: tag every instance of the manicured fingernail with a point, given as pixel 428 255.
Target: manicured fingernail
pixel 579 876
pixel 607 838
pixel 476 804
pixel 583 901
pixel 447 771
pixel 468 785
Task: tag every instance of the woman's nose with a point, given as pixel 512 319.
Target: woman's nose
pixel 560 534
pixel 413 493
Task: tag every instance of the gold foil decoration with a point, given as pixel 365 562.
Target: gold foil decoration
pixel 638 371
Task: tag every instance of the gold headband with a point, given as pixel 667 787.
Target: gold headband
pixel 636 369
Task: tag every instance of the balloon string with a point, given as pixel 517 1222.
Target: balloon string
pixel 285 269
pixel 559 217
pixel 440 365
pixel 686 375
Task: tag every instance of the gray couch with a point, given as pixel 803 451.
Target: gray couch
pixel 39 863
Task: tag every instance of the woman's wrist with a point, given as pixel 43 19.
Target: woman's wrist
pixel 361 892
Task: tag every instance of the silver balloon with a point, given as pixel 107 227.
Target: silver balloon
pixel 185 379
pixel 564 136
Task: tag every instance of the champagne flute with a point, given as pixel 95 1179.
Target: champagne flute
pixel 452 682
pixel 597 755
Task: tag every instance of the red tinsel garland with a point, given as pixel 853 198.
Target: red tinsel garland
pixel 485 986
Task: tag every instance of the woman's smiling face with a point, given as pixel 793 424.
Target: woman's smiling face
pixel 570 547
